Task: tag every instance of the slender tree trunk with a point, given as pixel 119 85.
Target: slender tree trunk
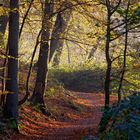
pixel 30 69
pixel 57 56
pixel 24 18
pixel 39 90
pixel 4 19
pixel 11 106
pixel 125 52
pixel 108 60
pixel 3 25
pixel 93 50
pixel 68 50
pixel 110 12
pixel 91 54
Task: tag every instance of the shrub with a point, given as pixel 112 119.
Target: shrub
pixel 122 121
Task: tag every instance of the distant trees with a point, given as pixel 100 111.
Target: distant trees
pixel 4 18
pixel 3 23
pixel 53 33
pixel 54 36
pixel 58 33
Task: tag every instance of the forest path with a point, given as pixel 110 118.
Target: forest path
pixel 75 127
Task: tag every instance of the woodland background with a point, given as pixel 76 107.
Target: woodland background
pixel 59 49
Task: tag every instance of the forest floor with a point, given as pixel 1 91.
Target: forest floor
pixel 70 120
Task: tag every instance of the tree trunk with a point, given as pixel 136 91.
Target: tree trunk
pixel 42 71
pixel 57 56
pixel 107 83
pixel 124 53
pixel 11 105
pixel 4 19
pixel 68 50
pixel 3 25
pixel 108 60
pixel 58 32
pixel 93 50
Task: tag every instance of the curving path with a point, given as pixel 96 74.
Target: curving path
pixel 38 127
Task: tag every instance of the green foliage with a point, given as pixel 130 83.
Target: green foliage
pixel 6 124
pixel 134 13
pixel 105 118
pixel 11 124
pixel 79 78
pixel 123 120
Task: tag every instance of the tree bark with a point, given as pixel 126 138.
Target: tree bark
pixel 3 25
pixel 68 51
pixel 57 56
pixel 40 85
pixel 11 105
pixel 24 18
pixel 108 60
pixel 30 69
pixel 107 83
pixel 4 19
pixel 124 53
pixel 58 32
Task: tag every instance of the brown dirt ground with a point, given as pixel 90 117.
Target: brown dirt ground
pixel 66 122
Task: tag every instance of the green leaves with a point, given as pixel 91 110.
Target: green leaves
pixel 124 119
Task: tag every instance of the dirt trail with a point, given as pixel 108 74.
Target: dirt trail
pixel 77 126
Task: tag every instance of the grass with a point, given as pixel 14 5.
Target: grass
pixel 77 79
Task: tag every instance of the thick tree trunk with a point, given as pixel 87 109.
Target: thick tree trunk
pixel 11 106
pixel 58 32
pixel 42 71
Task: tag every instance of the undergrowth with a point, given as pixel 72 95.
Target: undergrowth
pixel 79 79
pixel 122 121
